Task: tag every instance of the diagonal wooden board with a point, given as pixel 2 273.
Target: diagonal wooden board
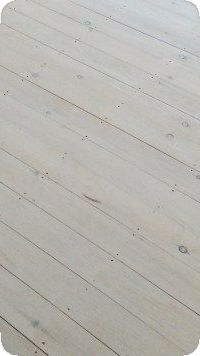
pixel 100 177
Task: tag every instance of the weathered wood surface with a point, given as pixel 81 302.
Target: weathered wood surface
pixel 100 177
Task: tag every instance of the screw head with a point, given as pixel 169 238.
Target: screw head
pixel 170 136
pixel 183 249
pixel 185 124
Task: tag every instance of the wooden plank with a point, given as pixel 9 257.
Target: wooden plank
pixel 136 200
pixel 168 135
pixel 172 28
pixel 99 186
pixel 42 323
pixel 79 250
pixel 146 158
pixel 83 303
pixel 130 63
pixel 187 9
pixel 118 245
pixel 16 343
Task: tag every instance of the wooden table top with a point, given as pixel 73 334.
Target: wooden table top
pixel 100 177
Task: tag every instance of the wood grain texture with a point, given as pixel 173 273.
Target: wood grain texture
pixel 16 343
pixel 100 177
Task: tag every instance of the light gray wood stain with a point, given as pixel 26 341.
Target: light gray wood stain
pixel 100 177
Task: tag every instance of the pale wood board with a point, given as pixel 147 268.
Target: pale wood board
pixel 100 177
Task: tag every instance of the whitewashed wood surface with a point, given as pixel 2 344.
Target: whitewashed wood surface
pixel 100 177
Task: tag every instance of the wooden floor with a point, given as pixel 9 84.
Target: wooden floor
pixel 100 177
